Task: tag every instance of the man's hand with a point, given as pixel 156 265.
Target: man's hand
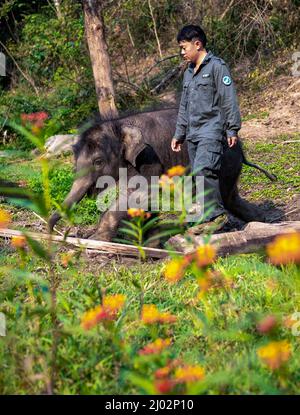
pixel 232 141
pixel 175 145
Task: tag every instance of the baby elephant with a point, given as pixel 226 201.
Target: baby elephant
pixel 141 144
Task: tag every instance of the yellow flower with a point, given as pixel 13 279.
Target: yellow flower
pixel 174 270
pixel 5 219
pixel 167 318
pixel 66 259
pixel 156 347
pixel 18 241
pixel 285 249
pixel 114 303
pixel 176 171
pixel 150 313
pixel 205 255
pixel 136 213
pixel 275 354
pixel 189 374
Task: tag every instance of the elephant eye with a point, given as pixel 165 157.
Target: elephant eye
pixel 98 162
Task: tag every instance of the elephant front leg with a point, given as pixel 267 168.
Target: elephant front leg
pixel 111 219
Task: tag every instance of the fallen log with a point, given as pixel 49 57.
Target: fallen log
pixel 254 236
pixel 100 246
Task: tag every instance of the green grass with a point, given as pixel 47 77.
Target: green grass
pixel 225 344
pixel 23 168
pixel 279 159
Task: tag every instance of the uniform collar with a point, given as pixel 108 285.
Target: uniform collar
pixel 207 58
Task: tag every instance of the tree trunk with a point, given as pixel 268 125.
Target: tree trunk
pixel 94 29
pixel 58 8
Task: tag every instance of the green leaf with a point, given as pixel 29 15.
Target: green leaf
pixel 143 383
pixel 129 232
pixel 31 137
pixel 131 225
pixel 149 224
pixel 37 248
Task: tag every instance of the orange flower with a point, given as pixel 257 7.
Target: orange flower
pixel 66 259
pixel 176 171
pixel 114 303
pixel 156 347
pixel 189 374
pixel 166 181
pixel 174 270
pixel 163 372
pixel 167 318
pixel 18 241
pixel 151 314
pixel 164 385
pixel 5 219
pixel 275 354
pixel 138 213
pixel 285 249
pixel 108 311
pixel 205 255
pixel 37 119
pixel 267 324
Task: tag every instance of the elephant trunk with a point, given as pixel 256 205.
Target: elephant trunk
pixel 79 189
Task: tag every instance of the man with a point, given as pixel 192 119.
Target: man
pixel 208 118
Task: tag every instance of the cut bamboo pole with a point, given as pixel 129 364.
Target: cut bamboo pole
pixel 102 246
pixel 254 236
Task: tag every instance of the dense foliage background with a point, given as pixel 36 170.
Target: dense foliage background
pixel 48 64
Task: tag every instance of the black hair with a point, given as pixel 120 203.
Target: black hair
pixel 192 32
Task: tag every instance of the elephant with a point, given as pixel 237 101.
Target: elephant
pixel 141 143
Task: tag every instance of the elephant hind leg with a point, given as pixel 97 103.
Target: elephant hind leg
pixel 243 209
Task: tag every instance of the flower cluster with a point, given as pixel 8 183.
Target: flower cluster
pixel 285 249
pixel 166 180
pixel 109 309
pixel 138 213
pixel 176 171
pixel 275 354
pixel 203 257
pixel 155 347
pixel 189 373
pixel 66 259
pixel 151 315
pixel 5 219
pixel 18 242
pixel 35 119
pixel 177 373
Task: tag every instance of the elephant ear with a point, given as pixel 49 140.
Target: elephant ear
pixel 133 143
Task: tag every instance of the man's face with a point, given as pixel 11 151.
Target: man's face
pixel 190 50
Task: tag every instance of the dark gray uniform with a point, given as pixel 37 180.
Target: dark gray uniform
pixel 208 112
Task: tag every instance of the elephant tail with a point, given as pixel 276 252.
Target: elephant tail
pixel 270 176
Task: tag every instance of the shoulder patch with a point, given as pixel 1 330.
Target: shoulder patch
pixel 226 80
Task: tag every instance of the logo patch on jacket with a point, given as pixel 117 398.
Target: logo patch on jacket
pixel 205 75
pixel 226 80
